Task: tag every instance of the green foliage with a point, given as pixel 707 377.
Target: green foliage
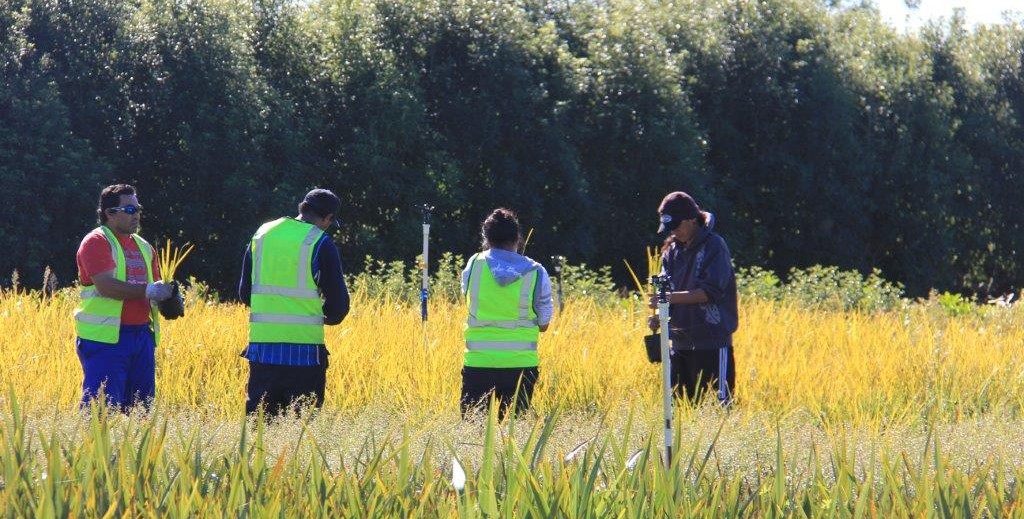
pixel 758 282
pixel 199 292
pixel 398 281
pixel 831 288
pixel 818 135
pixel 823 288
pixel 446 281
pixel 386 280
pixel 820 288
pixel 953 304
pixel 45 165
pixel 583 281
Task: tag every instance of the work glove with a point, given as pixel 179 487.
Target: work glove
pixel 159 291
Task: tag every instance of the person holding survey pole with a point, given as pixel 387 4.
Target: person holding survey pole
pixel 703 301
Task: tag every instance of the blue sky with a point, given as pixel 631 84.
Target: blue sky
pixel 976 11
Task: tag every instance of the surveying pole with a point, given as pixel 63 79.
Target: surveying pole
pixel 558 262
pixel 426 210
pixel 662 284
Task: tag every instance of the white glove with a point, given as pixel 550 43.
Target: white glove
pixel 159 291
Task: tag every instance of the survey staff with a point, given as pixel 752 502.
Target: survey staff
pixel 703 314
pixel 292 281
pixel 509 305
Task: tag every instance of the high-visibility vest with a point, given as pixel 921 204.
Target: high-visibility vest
pixel 501 330
pixel 285 306
pixel 98 318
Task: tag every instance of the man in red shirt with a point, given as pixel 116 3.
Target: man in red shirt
pixel 116 323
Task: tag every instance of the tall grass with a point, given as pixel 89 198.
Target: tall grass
pixel 145 465
pixel 914 411
pixel 864 368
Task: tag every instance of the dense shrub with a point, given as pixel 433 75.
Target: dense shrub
pixel 824 288
pixel 818 135
pixel 820 288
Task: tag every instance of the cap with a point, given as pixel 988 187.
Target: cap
pixel 676 207
pixel 325 202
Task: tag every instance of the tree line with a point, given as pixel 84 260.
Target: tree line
pixel 816 133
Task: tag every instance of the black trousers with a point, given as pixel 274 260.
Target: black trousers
pixel 277 388
pixel 696 373
pixel 478 384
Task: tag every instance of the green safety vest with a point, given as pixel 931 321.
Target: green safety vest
pixel 98 318
pixel 285 306
pixel 502 329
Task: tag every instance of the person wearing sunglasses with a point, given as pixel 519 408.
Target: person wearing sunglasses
pixel 293 284
pixel 117 322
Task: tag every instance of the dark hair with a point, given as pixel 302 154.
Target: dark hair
pixel 500 228
pixel 111 197
pixel 666 244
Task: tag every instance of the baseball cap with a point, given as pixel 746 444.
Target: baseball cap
pixel 676 207
pixel 325 202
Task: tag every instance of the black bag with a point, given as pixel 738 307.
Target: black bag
pixel 174 306
pixel 652 343
pixel 678 340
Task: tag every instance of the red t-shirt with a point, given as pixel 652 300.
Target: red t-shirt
pixel 94 257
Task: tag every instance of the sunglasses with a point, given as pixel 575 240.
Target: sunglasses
pixel 128 209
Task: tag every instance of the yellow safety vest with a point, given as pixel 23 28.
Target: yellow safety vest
pixel 501 330
pixel 98 318
pixel 285 306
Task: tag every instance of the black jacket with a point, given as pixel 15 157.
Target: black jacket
pixel 705 264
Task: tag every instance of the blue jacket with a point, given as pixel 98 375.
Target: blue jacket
pixel 705 264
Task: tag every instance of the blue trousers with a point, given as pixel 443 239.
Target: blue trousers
pixel 126 371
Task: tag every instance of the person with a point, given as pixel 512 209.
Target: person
pixel 116 323
pixel 509 303
pixel 292 281
pixel 703 314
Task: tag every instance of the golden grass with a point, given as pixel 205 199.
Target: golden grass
pixel 171 258
pixel 837 413
pixel 653 257
pixel 864 369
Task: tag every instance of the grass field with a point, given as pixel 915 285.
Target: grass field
pixel 911 412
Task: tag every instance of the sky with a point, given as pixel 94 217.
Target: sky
pixel 976 11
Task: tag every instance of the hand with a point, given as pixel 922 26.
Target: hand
pixel 652 303
pixel 654 323
pixel 159 291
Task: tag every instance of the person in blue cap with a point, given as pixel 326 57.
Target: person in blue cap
pixel 703 314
